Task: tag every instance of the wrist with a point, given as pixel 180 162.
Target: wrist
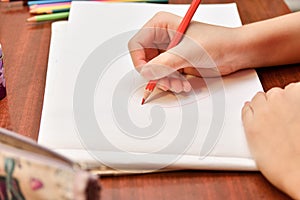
pixel 252 50
pixel 232 57
pixel 251 47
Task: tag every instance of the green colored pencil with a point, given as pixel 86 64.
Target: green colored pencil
pixel 49 17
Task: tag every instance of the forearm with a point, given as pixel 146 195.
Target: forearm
pixel 268 43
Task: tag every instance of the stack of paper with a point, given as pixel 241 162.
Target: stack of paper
pixel 92 112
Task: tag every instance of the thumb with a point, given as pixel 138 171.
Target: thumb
pixel 163 65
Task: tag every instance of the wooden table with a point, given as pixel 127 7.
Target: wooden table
pixel 26 53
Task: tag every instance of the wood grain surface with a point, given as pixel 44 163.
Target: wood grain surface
pixel 26 49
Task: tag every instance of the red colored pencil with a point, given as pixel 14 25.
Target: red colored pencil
pixel 176 39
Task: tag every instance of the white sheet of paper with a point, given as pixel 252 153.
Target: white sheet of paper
pixel 100 31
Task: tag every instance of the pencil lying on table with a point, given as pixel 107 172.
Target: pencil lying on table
pixel 30 3
pixel 176 39
pixel 49 17
pixel 48 5
pixel 49 9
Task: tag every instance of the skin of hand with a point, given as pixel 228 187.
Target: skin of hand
pixel 271 123
pixel 271 120
pixel 149 55
pixel 208 50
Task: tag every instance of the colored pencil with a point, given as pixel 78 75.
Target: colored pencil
pixel 45 9
pixel 51 11
pixel 49 5
pixel 175 40
pixel 30 3
pixel 49 17
pixel 9 0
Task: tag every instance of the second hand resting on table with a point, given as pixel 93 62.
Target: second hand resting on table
pixel 274 143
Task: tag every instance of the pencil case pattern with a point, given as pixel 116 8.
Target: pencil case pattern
pixel 2 80
pixel 31 176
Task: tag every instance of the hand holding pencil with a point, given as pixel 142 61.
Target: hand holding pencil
pixel 174 41
pixel 205 50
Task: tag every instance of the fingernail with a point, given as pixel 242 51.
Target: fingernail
pixel 164 88
pixel 187 87
pixel 177 90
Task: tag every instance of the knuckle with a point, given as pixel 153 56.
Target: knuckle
pixel 292 85
pixel 130 44
pixel 161 14
pixel 258 95
pixel 130 41
pixel 276 91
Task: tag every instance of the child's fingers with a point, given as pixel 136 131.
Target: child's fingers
pixel 247 113
pixel 161 66
pixel 164 84
pixel 176 85
pixel 258 101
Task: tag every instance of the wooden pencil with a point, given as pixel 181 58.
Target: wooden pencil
pixel 49 17
pixel 51 11
pixel 30 3
pixel 175 40
pixel 50 8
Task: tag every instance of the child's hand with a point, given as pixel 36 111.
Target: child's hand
pixel 272 125
pixel 201 52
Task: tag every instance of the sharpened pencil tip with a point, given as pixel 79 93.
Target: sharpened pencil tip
pixel 31 19
pixel 143 101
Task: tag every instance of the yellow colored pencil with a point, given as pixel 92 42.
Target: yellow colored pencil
pixel 52 11
pixel 46 9
pixel 48 5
